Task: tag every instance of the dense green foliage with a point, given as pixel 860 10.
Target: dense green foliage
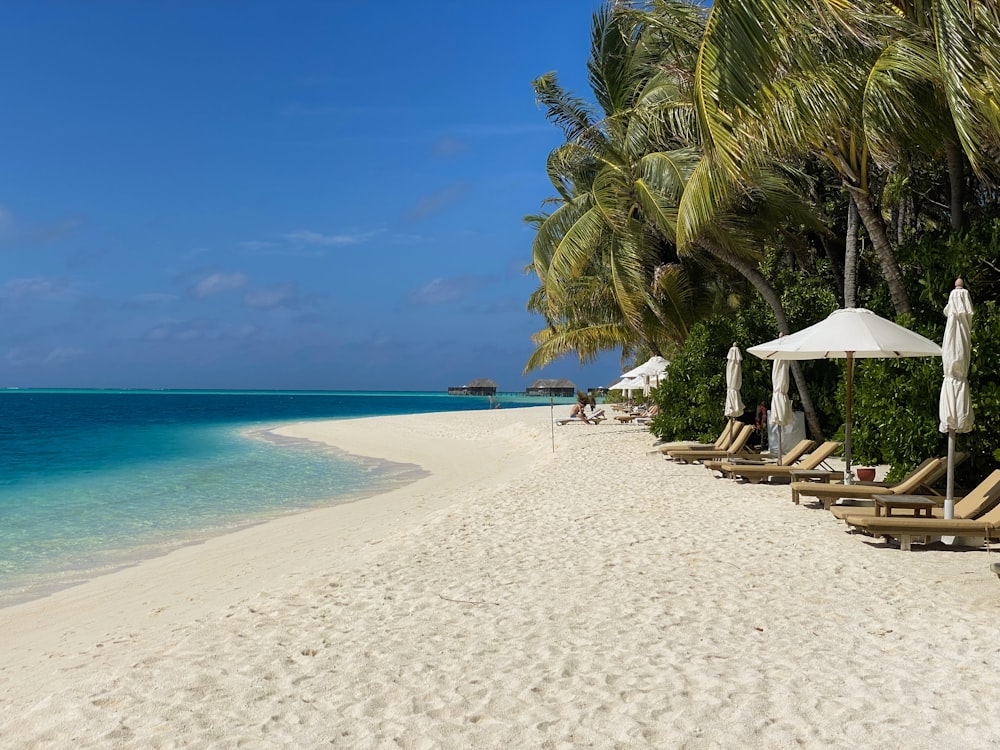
pixel 692 397
pixel 746 169
pixel 896 401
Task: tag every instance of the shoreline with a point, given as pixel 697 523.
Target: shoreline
pixel 100 562
pixel 155 596
pixel 596 595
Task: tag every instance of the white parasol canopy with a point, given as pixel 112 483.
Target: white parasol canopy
pixel 654 367
pixel 643 377
pixel 734 381
pixel 649 372
pixel 955 408
pixel 625 384
pixel 851 333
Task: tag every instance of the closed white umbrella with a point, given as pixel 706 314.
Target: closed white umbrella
pixel 851 333
pixel 734 381
pixel 781 405
pixel 955 408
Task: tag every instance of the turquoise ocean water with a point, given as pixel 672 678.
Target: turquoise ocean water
pixel 93 480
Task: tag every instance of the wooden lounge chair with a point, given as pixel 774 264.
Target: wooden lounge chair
pixel 865 506
pixel 721 443
pixel 640 416
pixel 596 418
pixel 986 524
pixel 737 448
pixel 916 483
pixel 810 462
pixel 793 455
pixel 648 417
pixel 985 495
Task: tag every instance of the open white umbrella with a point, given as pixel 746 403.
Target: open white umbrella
pixel 628 385
pixel 955 408
pixel 850 334
pixel 643 377
pixel 734 381
pixel 781 405
pixel 652 366
pixel 650 372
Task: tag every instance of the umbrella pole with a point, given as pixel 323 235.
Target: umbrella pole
pixel 552 421
pixel 848 474
pixel 949 498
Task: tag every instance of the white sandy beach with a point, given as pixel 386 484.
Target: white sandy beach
pixel 518 597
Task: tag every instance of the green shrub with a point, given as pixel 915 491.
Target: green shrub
pixel 692 398
pixel 896 406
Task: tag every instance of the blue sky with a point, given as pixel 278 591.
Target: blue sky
pixel 276 195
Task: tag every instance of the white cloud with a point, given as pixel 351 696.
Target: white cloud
pixel 436 202
pixel 269 298
pixel 18 289
pixel 22 357
pixel 152 298
pixel 199 330
pixel 309 237
pixel 255 245
pixel 216 283
pixel 441 291
pixel 13 230
pixel 447 146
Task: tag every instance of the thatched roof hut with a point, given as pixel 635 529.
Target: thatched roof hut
pixel 478 387
pixel 551 387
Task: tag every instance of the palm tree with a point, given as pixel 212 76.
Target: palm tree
pixel 967 41
pixel 622 181
pixel 731 222
pixel 859 81
pixel 609 177
pixel 777 78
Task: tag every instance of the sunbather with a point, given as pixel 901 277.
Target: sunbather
pixel 579 414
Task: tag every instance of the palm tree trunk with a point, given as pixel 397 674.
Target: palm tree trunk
pixel 956 179
pixel 750 272
pixel 875 226
pixel 851 254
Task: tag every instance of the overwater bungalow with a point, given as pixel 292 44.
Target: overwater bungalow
pixel 479 387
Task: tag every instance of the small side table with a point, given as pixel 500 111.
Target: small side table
pixel 815 475
pixel 921 505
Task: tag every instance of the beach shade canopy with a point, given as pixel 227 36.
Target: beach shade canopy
pixel 781 405
pixel 955 409
pixel 626 384
pixel 645 376
pixel 734 381
pixel 850 334
pixel 654 367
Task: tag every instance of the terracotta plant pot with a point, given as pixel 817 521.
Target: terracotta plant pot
pixel 866 474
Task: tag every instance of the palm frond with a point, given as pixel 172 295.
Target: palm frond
pixel 966 45
pixel 904 107
pixel 571 114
